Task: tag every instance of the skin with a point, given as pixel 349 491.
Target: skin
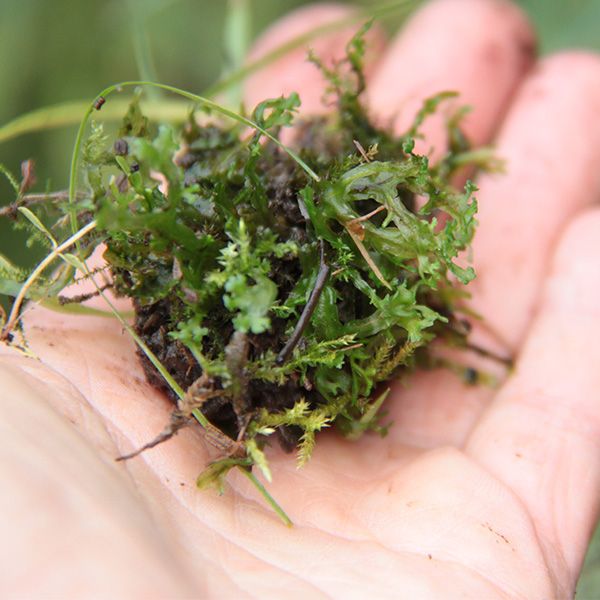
pixel 476 493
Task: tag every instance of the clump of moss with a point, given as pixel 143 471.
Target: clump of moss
pixel 281 290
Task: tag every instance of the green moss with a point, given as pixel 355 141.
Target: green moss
pixel 275 288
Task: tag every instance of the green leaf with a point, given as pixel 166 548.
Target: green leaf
pixel 368 420
pixel 74 261
pixel 430 107
pixel 277 112
pixel 252 302
pixel 214 475
pixel 33 219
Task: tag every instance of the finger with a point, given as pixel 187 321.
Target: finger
pixel 541 436
pixel 521 213
pixel 293 72
pixel 550 140
pixel 551 144
pixel 480 49
pixel 483 50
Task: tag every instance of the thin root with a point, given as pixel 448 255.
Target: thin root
pixel 177 422
pixel 198 393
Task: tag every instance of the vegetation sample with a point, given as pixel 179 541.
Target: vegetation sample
pixel 277 291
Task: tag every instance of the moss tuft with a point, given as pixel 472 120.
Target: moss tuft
pixel 277 289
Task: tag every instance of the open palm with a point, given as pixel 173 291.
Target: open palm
pixel 475 493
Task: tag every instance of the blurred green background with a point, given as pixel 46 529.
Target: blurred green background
pixel 59 50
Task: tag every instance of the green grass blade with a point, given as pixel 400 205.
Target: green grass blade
pixel 69 113
pixel 265 494
pixel 142 49
pixel 236 35
pixel 34 220
pixel 15 311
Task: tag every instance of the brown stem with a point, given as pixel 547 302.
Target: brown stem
pixel 177 422
pixel 31 199
pixel 62 300
pixel 308 311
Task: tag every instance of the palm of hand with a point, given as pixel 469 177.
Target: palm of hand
pixel 467 495
pixel 376 514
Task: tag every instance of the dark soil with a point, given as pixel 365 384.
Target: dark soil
pixel 154 322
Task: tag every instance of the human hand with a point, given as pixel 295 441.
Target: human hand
pixel 474 493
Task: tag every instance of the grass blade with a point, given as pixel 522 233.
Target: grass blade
pixel 34 220
pixel 142 49
pixel 265 494
pixel 236 35
pixel 69 113
pixel 16 307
